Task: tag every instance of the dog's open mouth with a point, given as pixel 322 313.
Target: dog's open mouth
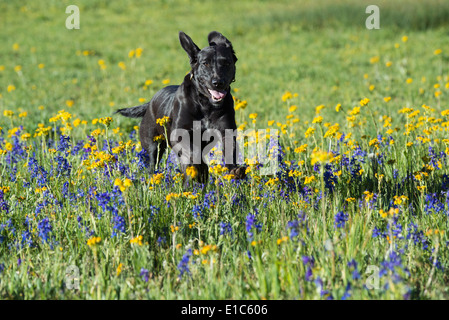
pixel 217 95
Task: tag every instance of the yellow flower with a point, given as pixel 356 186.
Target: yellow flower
pixel 253 115
pixel 308 180
pixel 17 68
pixel 166 81
pixel 41 66
pixel 93 241
pixel 8 113
pixel 122 65
pixel 364 102
pixel 11 88
pixel 310 131
pixel 137 240
pixel 338 107
pixel 321 157
pixel 374 59
pixel 171 195
pixel 119 269
pixel 123 185
pixel 389 64
pixel 15 47
pixel 287 95
pixel 139 52
pixel 301 148
pixel 318 119
pixel 69 103
pixel 437 52
pixel 106 121
pixel 192 172
pixel 163 121
pixel 404 39
pixel 386 99
pixel 409 80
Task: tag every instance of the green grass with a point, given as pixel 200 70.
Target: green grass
pixel 322 52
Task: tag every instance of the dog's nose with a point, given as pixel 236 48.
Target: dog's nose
pixel 217 83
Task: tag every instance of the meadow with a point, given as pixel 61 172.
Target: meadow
pixel 358 208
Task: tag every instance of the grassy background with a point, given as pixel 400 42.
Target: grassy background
pixel 302 46
pixel 318 49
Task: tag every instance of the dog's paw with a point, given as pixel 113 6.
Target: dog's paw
pixel 238 172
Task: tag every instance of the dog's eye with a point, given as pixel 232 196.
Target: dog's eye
pixel 206 64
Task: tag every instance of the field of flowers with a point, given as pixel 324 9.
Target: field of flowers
pixel 358 208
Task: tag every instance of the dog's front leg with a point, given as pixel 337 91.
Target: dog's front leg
pixel 230 149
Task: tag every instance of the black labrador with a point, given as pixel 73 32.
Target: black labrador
pixel 199 109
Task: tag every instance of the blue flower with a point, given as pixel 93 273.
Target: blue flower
pixel 225 228
pixel 183 265
pixel 340 219
pixel 251 224
pixel 145 274
pixel 44 228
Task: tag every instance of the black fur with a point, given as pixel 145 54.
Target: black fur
pixel 204 96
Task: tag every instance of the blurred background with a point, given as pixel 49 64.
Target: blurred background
pixel 125 51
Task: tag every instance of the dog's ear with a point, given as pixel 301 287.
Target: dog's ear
pixel 216 38
pixel 189 46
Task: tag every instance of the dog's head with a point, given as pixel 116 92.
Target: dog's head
pixel 213 68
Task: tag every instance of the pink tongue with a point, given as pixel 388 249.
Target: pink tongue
pixel 217 94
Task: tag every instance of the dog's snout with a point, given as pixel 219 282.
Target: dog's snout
pixel 217 83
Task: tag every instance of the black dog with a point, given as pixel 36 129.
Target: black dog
pixel 204 97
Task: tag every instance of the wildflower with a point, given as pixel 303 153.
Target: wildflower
pixel 310 131
pixel 192 172
pixel 321 157
pixel 183 265
pixel 340 219
pixel 225 228
pixel 309 180
pixel 145 274
pixel 318 119
pixel 287 95
pixel 163 121
pixel 364 102
pixel 301 148
pixel 251 224
pixel 106 121
pixel 136 240
pixel 119 269
pixel 437 52
pixel 123 185
pixel 93 241
pixel 374 59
